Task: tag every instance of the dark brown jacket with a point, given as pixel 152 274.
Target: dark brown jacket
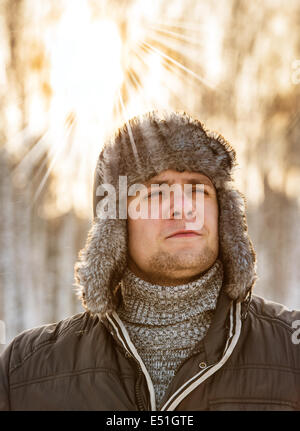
pixel 249 360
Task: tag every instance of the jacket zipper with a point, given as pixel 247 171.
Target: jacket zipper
pixel 190 385
pixel 137 387
pixel 235 330
pixel 137 384
pixel 123 341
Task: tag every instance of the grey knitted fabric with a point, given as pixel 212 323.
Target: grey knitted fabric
pixel 165 323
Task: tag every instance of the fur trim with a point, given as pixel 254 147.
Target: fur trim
pixel 236 249
pixel 141 149
pixel 101 265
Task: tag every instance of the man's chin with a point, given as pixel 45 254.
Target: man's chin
pixel 183 264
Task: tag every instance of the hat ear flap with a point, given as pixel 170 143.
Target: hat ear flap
pixel 236 249
pixel 101 265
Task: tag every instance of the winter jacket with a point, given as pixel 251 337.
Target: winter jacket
pixel 249 360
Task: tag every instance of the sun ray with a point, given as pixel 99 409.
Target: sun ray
pixel 139 90
pixel 165 81
pixel 175 49
pixel 134 80
pixel 170 68
pixel 44 179
pixel 175 35
pixel 53 155
pixel 147 101
pixel 186 69
pixel 32 156
pixel 50 151
pixel 150 99
pixel 183 52
pixel 192 27
pixel 12 144
pixel 125 115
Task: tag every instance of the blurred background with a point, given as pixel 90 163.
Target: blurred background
pixel 71 71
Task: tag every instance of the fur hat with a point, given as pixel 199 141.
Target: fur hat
pixel 141 149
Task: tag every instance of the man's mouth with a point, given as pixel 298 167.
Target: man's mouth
pixel 183 234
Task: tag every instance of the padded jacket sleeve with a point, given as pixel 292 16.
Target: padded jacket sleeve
pixel 4 377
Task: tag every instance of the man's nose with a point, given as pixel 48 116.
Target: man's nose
pixel 183 206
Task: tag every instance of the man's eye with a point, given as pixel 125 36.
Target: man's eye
pixel 200 190
pixel 156 193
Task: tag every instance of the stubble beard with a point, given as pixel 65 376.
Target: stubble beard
pixel 172 269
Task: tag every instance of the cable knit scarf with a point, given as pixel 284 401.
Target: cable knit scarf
pixel 165 323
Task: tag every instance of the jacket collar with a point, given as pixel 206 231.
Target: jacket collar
pixel 219 344
pixel 217 333
pixel 214 341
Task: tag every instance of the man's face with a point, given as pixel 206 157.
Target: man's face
pixel 156 254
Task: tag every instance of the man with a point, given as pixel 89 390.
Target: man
pixel 170 322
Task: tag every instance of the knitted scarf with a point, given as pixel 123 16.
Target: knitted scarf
pixel 165 323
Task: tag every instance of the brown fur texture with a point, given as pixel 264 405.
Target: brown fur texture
pixel 141 149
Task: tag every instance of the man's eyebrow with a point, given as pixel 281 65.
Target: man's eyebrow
pixel 186 181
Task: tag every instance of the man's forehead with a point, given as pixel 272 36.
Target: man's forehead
pixel 171 177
